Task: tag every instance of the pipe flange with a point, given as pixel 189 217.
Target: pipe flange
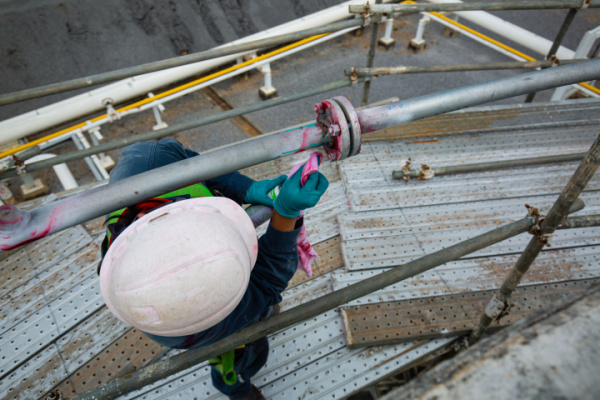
pixel 337 133
pixel 353 123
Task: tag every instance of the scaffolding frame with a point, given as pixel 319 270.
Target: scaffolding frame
pixel 20 224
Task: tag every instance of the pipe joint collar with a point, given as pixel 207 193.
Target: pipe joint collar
pixel 342 129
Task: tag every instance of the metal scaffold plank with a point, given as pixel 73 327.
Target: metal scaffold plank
pixel 471 148
pixel 330 259
pixel 23 265
pixel 34 378
pixel 397 250
pixel 448 315
pixel 372 192
pixel 128 353
pixel 553 265
pixel 384 238
pixel 494 118
pixel 89 338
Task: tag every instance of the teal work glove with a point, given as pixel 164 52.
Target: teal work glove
pixel 258 192
pixel 294 198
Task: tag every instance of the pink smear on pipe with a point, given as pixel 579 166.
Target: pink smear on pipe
pixel 306 253
pixel 16 229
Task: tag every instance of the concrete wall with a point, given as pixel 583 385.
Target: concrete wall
pixel 45 41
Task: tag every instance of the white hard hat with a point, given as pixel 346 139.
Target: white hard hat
pixel 182 268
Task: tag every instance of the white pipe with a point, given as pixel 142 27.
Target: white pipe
pixel 159 102
pixel 586 43
pixel 389 24
pixel 421 28
pixel 476 38
pixel 88 160
pixel 94 157
pixel 266 70
pixel 77 106
pixel 510 31
pixel 66 178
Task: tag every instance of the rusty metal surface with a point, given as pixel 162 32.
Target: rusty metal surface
pixel 552 265
pixel 484 119
pixel 443 316
pixel 551 354
pixel 23 265
pixel 460 188
pixel 133 350
pixel 310 358
pixel 370 186
pixel 391 237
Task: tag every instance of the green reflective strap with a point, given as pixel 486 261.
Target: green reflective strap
pixel 224 365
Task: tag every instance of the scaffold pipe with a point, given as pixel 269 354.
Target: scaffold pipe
pixel 476 6
pixel 180 362
pixel 176 128
pixel 74 210
pixel 417 69
pixel 546 227
pixel 374 119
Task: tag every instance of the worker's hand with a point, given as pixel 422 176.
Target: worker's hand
pixel 294 198
pixel 258 192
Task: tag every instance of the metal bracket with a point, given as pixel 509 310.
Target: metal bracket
pixel 19 165
pixel 341 126
pixel 111 113
pixel 367 15
pixel 494 308
pixel 536 229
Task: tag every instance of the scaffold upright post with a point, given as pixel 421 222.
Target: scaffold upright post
pixel 548 225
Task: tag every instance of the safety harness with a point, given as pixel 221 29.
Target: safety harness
pixel 225 365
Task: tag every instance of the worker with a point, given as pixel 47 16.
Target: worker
pixel 187 269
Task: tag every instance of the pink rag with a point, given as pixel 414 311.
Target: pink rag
pixel 306 253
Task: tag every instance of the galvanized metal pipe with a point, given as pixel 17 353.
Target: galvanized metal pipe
pixel 161 133
pixel 398 113
pixel 417 69
pixel 9 163
pixel 582 221
pixel 72 211
pixel 479 6
pixel 493 165
pixel 172 365
pixel 557 41
pixel 112 76
pixel 94 203
pixel 370 58
pixel 555 216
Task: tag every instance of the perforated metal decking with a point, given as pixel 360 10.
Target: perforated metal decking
pixel 445 316
pixel 56 331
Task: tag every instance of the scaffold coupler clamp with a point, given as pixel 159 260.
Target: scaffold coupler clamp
pixel 536 229
pixel 19 165
pixel 111 113
pixel 367 15
pixel 339 121
pixel 495 308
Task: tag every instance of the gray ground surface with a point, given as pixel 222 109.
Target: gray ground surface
pixel 46 41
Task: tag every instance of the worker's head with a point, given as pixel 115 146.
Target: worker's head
pixel 182 268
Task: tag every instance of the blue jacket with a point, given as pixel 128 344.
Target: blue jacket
pixel 277 259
